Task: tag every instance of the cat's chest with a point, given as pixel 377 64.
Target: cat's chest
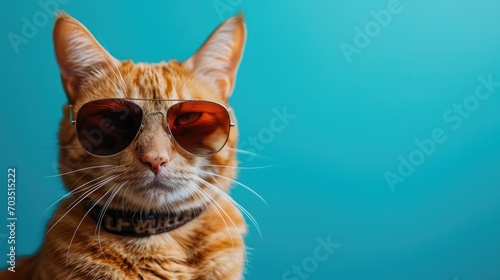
pixel 197 250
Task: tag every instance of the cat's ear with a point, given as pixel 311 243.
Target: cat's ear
pixel 217 61
pixel 79 55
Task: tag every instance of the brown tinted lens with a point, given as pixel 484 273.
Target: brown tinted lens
pixel 107 126
pixel 199 127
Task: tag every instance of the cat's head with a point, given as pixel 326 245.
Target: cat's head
pixel 154 172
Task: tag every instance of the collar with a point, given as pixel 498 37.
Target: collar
pixel 136 224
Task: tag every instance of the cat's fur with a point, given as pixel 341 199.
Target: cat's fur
pixel 209 247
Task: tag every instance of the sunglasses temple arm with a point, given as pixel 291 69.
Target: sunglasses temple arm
pixel 71 121
pixel 232 117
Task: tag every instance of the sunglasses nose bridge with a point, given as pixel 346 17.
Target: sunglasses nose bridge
pixel 164 123
pixel 149 116
pixel 154 135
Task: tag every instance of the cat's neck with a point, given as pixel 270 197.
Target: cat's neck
pixel 140 224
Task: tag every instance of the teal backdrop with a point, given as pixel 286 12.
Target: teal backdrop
pixel 376 122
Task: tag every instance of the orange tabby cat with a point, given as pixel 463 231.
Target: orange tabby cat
pixel 147 152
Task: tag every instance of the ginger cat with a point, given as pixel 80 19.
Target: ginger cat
pixel 147 153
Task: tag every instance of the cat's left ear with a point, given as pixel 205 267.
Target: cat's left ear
pixel 217 61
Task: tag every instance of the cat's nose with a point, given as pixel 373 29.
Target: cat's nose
pixel 155 160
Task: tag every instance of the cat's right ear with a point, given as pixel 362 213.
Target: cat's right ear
pixel 79 55
pixel 218 59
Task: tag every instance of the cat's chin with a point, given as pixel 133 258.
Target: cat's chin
pixel 157 184
pixel 161 183
pixel 161 192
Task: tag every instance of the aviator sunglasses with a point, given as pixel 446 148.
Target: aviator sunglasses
pixel 106 127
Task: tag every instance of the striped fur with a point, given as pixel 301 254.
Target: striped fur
pixel 209 247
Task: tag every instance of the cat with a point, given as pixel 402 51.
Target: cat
pixel 147 153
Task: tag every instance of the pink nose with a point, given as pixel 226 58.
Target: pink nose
pixel 156 161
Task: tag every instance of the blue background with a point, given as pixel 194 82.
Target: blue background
pixel 353 120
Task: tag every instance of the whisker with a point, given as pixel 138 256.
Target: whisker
pixel 214 204
pixel 101 215
pixel 245 152
pixel 124 195
pixel 81 198
pixel 217 205
pixel 231 200
pixel 121 86
pixel 236 182
pixel 74 191
pixel 239 167
pixel 82 169
pixel 81 221
pixel 77 180
pixel 99 184
pixel 193 195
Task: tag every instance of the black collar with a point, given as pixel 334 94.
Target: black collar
pixel 139 224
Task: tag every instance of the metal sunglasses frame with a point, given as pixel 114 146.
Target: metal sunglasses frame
pixel 232 122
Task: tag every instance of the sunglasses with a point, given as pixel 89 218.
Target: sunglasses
pixel 106 127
